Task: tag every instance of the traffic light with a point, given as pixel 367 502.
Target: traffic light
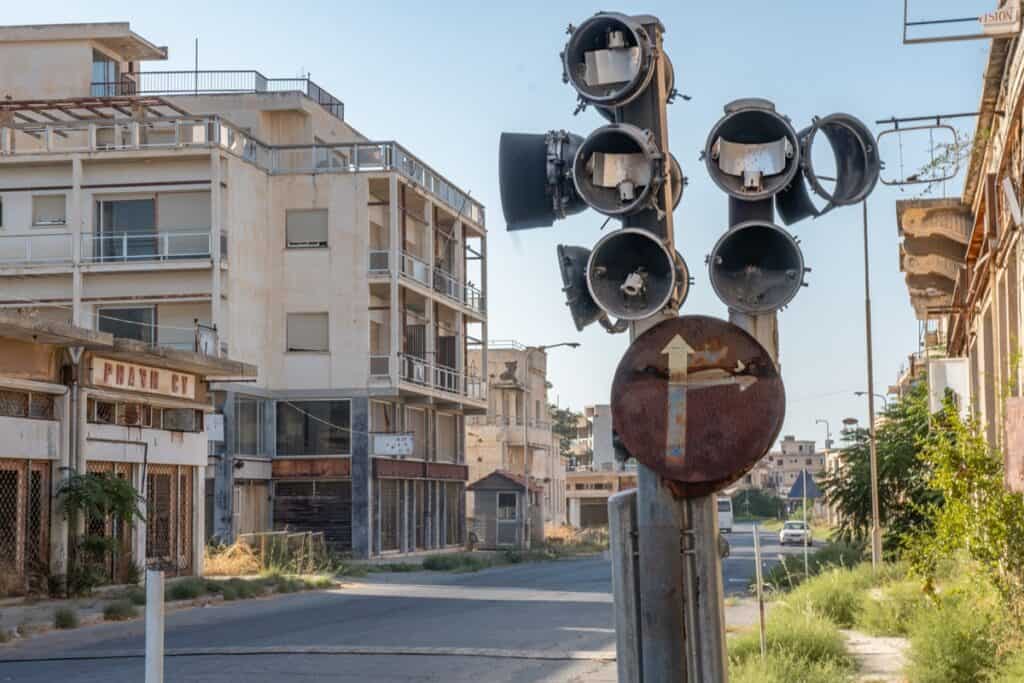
pixel 755 155
pixel 622 169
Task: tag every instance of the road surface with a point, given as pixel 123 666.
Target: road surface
pixel 542 622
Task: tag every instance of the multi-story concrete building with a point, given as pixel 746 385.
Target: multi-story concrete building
pixel 517 413
pixel 588 493
pixel 154 204
pixel 778 470
pixel 581 448
pixel 963 262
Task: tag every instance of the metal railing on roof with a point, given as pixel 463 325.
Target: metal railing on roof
pixel 206 131
pixel 223 82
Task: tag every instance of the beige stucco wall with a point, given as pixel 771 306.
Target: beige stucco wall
pixel 40 69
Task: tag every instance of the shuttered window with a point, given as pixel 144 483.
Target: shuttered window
pixel 307 332
pixel 49 209
pixel 306 228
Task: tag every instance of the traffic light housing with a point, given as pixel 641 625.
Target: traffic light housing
pixel 623 170
pixel 754 154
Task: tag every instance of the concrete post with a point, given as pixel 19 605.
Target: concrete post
pixel 362 480
pixel 154 626
pixel 224 477
pixel 623 546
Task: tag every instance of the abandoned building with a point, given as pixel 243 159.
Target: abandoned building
pixel 75 400
pixel 159 204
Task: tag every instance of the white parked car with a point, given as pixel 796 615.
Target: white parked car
pixel 797 533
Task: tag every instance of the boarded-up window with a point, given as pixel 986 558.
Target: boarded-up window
pixel 313 428
pixel 49 209
pixel 308 332
pixel 447 449
pixel 306 228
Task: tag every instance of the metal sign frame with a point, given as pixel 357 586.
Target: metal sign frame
pixel 992 24
pixel 921 181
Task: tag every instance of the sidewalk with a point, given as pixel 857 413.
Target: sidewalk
pixel 878 658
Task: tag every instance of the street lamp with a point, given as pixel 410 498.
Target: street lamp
pixel 828 433
pixel 876 529
pixel 525 525
pixel 885 400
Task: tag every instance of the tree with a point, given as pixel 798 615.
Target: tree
pixel 973 514
pixel 756 503
pixel 563 425
pixel 904 493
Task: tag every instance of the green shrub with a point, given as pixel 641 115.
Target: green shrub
pixel 119 610
pixel 789 573
pixel 395 567
pixel 836 595
pixel 287 585
pixel 243 589
pixel 891 613
pixel 136 595
pixel 442 563
pixel 782 667
pixel 511 556
pixel 795 633
pixel 229 593
pixel 954 641
pixel 1011 671
pixel 321 582
pixel 186 589
pixel 353 570
pixel 65 617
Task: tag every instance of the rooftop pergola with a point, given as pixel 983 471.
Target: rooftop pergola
pixel 87 109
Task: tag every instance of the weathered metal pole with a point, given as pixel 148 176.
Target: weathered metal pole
pixel 622 543
pixel 704 596
pixel 876 527
pixel 760 591
pixel 807 529
pixel 154 626
pixel 525 526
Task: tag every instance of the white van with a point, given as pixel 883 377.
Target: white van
pixel 724 514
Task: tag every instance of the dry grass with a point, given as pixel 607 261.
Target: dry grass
pixel 237 559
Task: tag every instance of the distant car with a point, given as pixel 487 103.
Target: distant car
pixel 725 515
pixel 795 532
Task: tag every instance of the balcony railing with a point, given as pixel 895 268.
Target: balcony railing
pixel 155 246
pixel 36 249
pixel 213 131
pixel 416 269
pixel 419 371
pixel 215 83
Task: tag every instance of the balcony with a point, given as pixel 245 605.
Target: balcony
pixel 128 247
pixel 418 270
pixel 215 83
pixel 193 132
pixel 36 250
pixel 432 376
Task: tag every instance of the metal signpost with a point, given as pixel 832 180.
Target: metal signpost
pixel 666 563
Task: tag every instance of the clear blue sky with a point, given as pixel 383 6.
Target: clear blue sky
pixel 446 78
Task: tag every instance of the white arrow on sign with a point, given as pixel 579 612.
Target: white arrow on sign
pixel 678 352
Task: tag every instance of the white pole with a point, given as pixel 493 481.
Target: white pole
pixel 807 529
pixel 154 626
pixel 760 591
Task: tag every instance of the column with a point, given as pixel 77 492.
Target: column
pixel 362 480
pixel 198 518
pixel 75 221
pixel 224 477
pixel 216 213
pixel 395 267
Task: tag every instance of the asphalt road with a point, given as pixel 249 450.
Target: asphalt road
pixel 738 568
pixel 542 622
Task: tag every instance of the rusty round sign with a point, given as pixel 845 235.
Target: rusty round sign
pixel 699 401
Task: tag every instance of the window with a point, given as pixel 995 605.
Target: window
pixel 306 228
pixel 182 420
pixel 248 425
pixel 126 228
pixel 49 210
pixel 507 507
pixel 313 428
pixel 129 323
pixel 105 75
pixel 308 332
pixel 807 461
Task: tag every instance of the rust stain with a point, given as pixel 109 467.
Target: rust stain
pixel 731 420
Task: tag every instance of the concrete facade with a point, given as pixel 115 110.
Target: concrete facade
pixel 517 409
pixel 349 271
pixel 78 401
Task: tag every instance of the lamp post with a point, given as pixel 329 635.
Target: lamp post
pixel 525 524
pixel 885 400
pixel 828 446
pixel 876 529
